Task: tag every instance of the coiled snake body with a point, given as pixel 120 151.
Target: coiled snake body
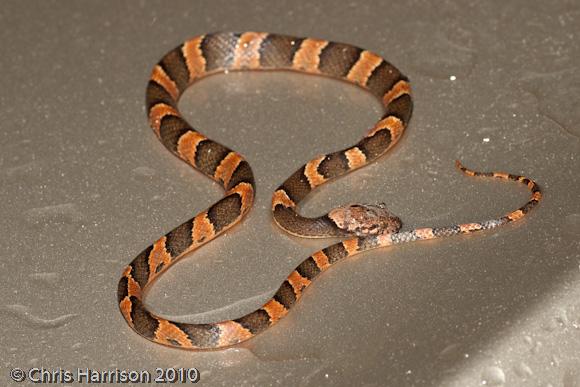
pixel 365 227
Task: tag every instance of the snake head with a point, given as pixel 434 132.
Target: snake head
pixel 365 219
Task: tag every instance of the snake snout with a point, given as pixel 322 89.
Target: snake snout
pixel 365 219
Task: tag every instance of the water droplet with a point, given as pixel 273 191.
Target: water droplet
pixel 143 173
pixel 449 352
pixel 554 102
pixel 28 170
pixel 493 376
pixel 49 278
pixel 523 370
pixel 562 318
pixel 25 315
pixel 550 325
pixel 61 213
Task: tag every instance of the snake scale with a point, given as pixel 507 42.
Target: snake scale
pixel 362 227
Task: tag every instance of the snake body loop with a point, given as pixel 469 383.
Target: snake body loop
pixel 365 226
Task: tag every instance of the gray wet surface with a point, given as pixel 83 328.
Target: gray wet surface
pixel 86 186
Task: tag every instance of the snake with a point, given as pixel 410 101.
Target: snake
pixel 360 227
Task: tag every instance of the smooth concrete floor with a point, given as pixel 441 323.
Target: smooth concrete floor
pixel 85 186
